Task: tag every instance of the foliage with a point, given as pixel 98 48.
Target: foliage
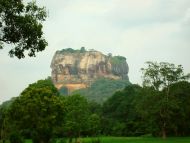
pixel 4 126
pixel 138 111
pixel 115 60
pixel 161 76
pixel 6 104
pixel 119 115
pixel 101 89
pixel 62 140
pixel 41 107
pixel 21 27
pixel 94 124
pixel 16 138
pixel 42 84
pixel 132 111
pixel 70 50
pixel 82 50
pixel 94 107
pixel 179 123
pixel 76 115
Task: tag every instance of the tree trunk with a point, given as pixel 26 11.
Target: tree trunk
pixel 163 133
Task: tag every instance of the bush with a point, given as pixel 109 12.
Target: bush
pixel 16 138
pixel 53 140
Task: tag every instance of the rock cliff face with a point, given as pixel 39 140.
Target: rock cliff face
pixel 76 69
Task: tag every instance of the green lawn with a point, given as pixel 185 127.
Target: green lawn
pixel 134 140
pixel 142 140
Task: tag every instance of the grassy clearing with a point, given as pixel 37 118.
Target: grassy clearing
pixel 133 140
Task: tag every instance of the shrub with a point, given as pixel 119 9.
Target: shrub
pixel 16 138
pixel 53 140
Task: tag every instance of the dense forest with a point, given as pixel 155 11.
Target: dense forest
pixel 161 107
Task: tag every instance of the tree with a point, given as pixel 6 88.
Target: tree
pixel 94 107
pixel 161 76
pixel 119 115
pixel 77 115
pixel 82 49
pixel 42 84
pixel 148 106
pixel 94 124
pixel 151 103
pixel 180 125
pixel 21 27
pixel 3 124
pixel 37 112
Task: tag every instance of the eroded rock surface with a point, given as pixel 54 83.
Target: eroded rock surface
pixel 75 69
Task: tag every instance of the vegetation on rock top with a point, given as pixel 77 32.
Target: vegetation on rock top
pixel 117 60
pixel 70 50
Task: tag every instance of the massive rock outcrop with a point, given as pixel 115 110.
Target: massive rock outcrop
pixel 76 69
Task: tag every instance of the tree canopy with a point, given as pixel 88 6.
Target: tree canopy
pixel 21 27
pixel 76 116
pixel 42 114
pixel 161 76
pixel 37 112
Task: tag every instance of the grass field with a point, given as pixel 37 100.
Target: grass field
pixel 142 140
pixel 134 140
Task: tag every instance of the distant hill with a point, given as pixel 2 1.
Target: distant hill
pixel 88 72
pixel 102 89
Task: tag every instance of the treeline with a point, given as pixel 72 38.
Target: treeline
pixel 161 107
pixel 138 111
pixel 42 114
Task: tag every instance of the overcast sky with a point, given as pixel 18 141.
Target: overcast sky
pixel 140 30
